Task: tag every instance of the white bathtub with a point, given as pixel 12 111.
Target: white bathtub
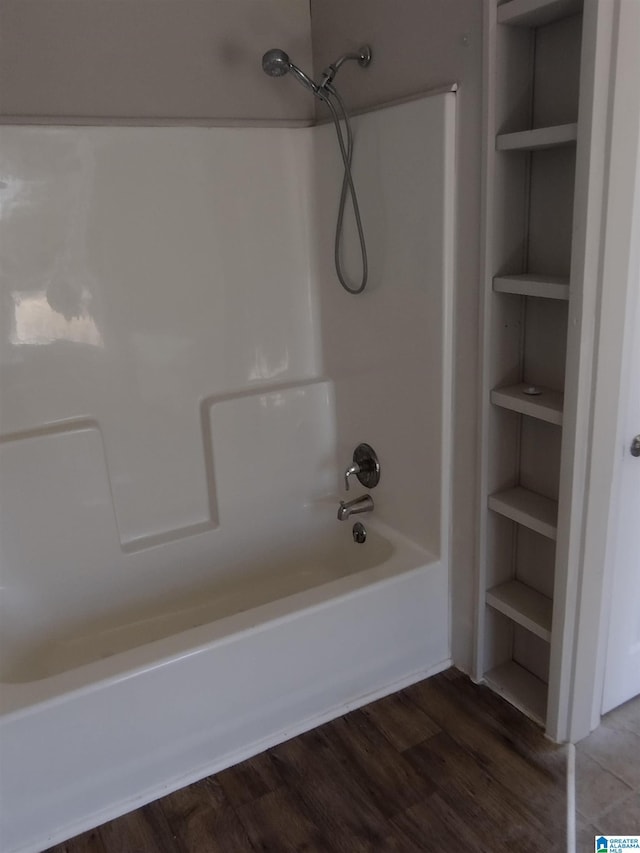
pixel 98 722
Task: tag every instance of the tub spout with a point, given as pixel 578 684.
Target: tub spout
pixel 355 507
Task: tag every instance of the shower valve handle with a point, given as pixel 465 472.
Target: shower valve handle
pixel 365 467
pixel 353 469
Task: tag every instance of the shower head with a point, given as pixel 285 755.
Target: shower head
pixel 276 63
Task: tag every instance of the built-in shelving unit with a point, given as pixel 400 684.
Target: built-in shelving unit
pixel 532 136
pixel 542 137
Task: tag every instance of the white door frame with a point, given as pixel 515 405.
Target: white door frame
pixel 620 201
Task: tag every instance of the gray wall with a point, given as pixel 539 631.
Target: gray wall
pixel 149 61
pixel 422 44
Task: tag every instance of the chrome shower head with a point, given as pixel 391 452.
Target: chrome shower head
pixel 276 62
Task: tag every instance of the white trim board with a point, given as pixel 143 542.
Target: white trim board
pixel 616 107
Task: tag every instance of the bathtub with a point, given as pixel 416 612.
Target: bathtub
pixel 100 718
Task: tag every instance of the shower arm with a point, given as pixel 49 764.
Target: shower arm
pixel 362 57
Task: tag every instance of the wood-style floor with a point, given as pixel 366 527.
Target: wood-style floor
pixel 444 765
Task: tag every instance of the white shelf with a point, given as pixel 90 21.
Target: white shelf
pixel 536 13
pixel 523 605
pixel 527 508
pixel 546 406
pixel 521 688
pixel 542 137
pixel 529 284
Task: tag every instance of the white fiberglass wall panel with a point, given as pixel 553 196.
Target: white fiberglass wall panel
pixel 145 271
pixel 388 350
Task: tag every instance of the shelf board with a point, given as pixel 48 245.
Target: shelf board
pixel 536 13
pixel 541 137
pixel 546 406
pixel 521 688
pixel 523 605
pixel 527 508
pixel 529 284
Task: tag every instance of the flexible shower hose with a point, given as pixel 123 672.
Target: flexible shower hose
pixel 347 185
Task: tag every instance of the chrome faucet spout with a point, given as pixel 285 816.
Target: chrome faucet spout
pixel 355 507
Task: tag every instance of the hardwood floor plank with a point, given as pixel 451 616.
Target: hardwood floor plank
pixel 391 781
pixel 201 819
pixel 250 780
pixel 517 731
pixel 433 827
pixel 453 674
pixel 399 721
pixel 274 822
pixel 500 820
pixel 142 831
pixel 88 842
pixel 328 794
pixel 399 842
pixel 529 781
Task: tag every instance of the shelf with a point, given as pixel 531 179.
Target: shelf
pixel 529 284
pixel 523 605
pixel 542 137
pixel 527 508
pixel 521 688
pixel 536 13
pixel 546 406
